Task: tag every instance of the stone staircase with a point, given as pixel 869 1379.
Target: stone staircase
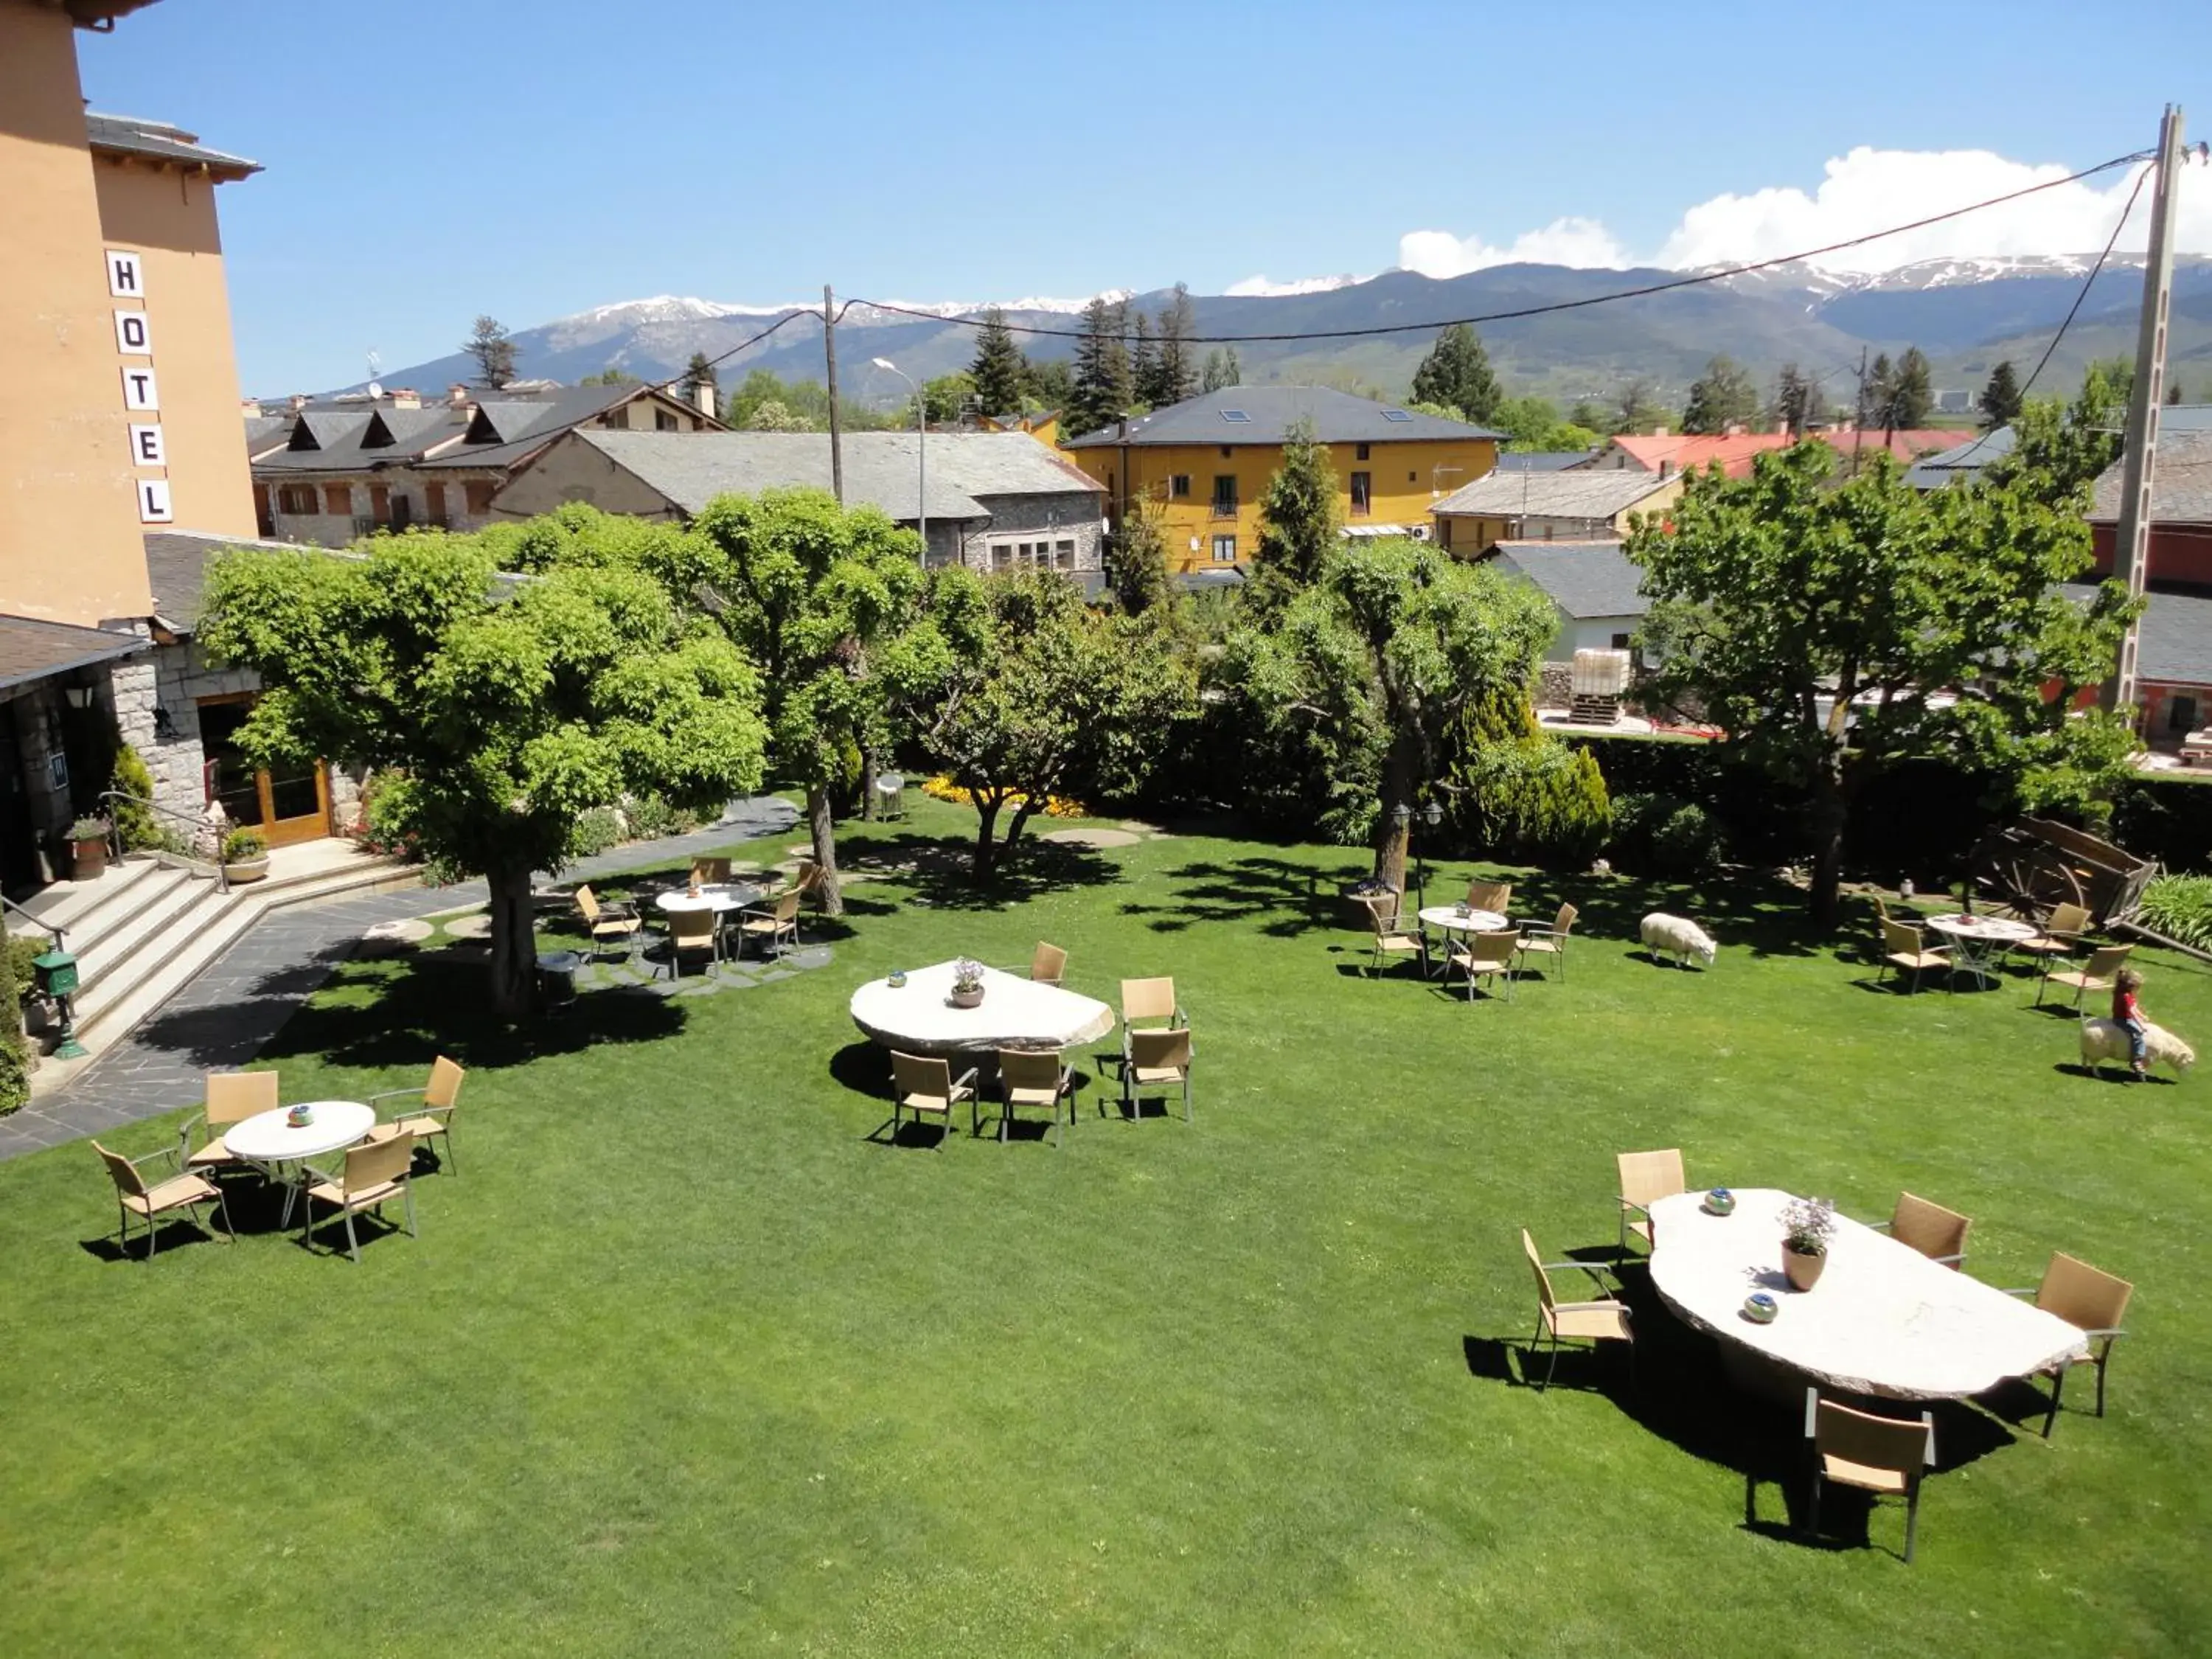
pixel 143 930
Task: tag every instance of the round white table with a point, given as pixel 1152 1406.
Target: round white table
pixel 1453 920
pixel 916 1018
pixel 721 900
pixel 1978 943
pixel 1883 1320
pixel 269 1141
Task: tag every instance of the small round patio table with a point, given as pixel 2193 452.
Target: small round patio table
pixel 918 1018
pixel 1454 919
pixel 720 899
pixel 1978 943
pixel 269 1142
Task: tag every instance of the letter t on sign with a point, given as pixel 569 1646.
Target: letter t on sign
pixel 139 391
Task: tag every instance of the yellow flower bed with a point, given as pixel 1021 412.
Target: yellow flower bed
pixel 942 787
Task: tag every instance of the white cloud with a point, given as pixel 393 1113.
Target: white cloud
pixel 1266 288
pixel 1866 190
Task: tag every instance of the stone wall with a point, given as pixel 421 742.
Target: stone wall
pixel 1555 686
pixel 172 678
pixel 1073 517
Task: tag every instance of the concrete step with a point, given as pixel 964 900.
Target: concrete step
pixel 121 932
pixel 78 905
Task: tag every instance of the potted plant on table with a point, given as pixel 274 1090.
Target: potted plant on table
pixel 967 984
pixel 245 855
pixel 87 848
pixel 1807 1225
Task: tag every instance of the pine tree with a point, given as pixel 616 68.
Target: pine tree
pixel 998 371
pixel 1792 409
pixel 1910 400
pixel 1299 515
pixel 1639 408
pixel 1222 370
pixel 698 372
pixel 1723 396
pixel 1136 557
pixel 2001 398
pixel 1457 372
pixel 1101 392
pixel 1876 388
pixel 2173 392
pixel 1176 378
pixel 493 349
pixel 1144 365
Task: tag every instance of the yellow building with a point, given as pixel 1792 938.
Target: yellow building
pixel 1205 463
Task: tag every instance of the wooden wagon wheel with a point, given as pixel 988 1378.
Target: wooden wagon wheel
pixel 2030 880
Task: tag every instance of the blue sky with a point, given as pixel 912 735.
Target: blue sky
pixel 429 162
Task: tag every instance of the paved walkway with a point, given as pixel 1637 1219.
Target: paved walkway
pixel 225 1015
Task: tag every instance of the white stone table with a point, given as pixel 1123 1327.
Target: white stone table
pixel 1978 943
pixel 1883 1320
pixel 916 1017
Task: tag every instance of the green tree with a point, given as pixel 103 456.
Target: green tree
pixel 1817 622
pixel 1589 413
pixel 2173 390
pixel 1517 792
pixel 699 372
pixel 1023 692
pixel 1050 385
pixel 1102 392
pixel 1222 370
pixel 492 350
pixel 1144 363
pixel 775 415
pixel 1639 410
pixel 1000 376
pixel 1877 391
pixel 1175 377
pixel 1136 557
pixel 610 376
pixel 2001 398
pixel 507 712
pixel 1908 400
pixel 1534 424
pixel 1301 520
pixel 2057 453
pixel 812 592
pixel 1723 396
pixel 1379 661
pixel 949 397
pixel 1457 372
pixel 1793 407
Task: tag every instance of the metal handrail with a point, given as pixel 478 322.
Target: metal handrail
pixel 59 935
pixel 115 836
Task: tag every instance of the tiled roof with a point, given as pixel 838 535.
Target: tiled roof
pixel 1542 460
pixel 2181 480
pixel 1734 451
pixel 177 562
pixel 1551 494
pixel 1265 414
pixel 127 135
pixel 1584 578
pixel 34 650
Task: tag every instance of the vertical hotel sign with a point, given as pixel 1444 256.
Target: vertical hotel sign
pixel 142 393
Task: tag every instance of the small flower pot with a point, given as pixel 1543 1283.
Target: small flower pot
pixel 88 858
pixel 970 999
pixel 1804 1271
pixel 246 870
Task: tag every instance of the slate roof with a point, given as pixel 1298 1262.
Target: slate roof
pixel 265 432
pixel 1270 411
pixel 2180 483
pixel 177 562
pixel 2175 646
pixel 1552 494
pixel 1542 460
pixel 1584 578
pixel 692 468
pixel 1962 462
pixel 360 440
pixel 34 650
pixel 505 430
pixel 128 134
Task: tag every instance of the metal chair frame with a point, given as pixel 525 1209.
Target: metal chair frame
pixel 117 1164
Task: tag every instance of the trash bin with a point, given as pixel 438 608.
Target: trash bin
pixel 890 795
pixel 556 977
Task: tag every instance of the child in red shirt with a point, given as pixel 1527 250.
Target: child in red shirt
pixel 2128 1014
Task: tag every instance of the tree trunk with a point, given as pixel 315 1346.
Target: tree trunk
pixel 825 832
pixel 513 943
pixel 1017 825
pixel 1831 813
pixel 987 821
pixel 1392 826
pixel 867 784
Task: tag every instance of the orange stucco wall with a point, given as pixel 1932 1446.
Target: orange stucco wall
pixel 70 543
pixel 168 218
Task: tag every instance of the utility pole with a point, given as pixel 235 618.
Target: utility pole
pixel 837 433
pixel 2131 539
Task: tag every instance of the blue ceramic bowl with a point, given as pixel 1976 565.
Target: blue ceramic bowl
pixel 1760 1308
pixel 1720 1201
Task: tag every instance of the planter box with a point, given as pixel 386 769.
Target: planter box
pixel 246 870
pixel 89 858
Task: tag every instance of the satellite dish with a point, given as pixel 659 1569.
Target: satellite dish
pixel 375 389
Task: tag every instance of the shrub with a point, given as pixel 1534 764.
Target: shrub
pixel 941 788
pixel 651 818
pixel 386 824
pixel 15 1065
pixel 1521 794
pixel 2180 907
pixel 134 813
pixel 88 830
pixel 1663 836
pixel 24 948
pixel 241 845
pixel 595 831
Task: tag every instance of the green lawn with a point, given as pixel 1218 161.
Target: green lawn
pixel 684 1362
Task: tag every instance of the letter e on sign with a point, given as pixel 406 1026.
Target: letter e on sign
pixel 154 502
pixel 139 391
pixel 147 448
pixel 130 336
pixel 125 280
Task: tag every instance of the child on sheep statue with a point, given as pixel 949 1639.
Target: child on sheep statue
pixel 2128 1015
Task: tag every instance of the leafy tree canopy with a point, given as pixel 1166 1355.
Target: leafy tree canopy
pixel 1723 396
pixel 1300 517
pixel 1457 372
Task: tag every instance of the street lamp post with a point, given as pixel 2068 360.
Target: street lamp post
pixel 921 454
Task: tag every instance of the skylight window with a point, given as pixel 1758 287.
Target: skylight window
pixel 1395 415
pixel 1235 414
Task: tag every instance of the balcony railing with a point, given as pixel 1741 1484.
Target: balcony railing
pixel 1223 509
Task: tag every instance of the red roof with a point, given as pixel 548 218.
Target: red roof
pixel 1682 453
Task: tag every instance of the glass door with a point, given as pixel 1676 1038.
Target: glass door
pixel 288 805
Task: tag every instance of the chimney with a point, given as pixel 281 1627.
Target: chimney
pixel 249 407
pixel 1732 430
pixel 457 395
pixel 298 401
pixel 406 397
pixel 1659 431
pixel 702 399
pixel 1781 428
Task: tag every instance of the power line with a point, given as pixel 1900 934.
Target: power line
pixel 1643 292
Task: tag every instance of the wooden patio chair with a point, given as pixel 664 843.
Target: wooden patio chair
pixel 1156 1057
pixel 1487 956
pixel 773 927
pixel 1902 948
pixel 711 872
pixel 1390 935
pixel 2093 1300
pixel 1047 963
pixel 1645 1178
pixel 1937 1233
pixel 434 1118
pixel 1550 941
pixel 1884 1455
pixel 1491 895
pixel 2103 967
pixel 924 1085
pixel 608 923
pixel 375 1173
pixel 693 933
pixel 2063 933
pixel 135 1195
pixel 1602 1320
pixel 231 1097
pixel 1035 1078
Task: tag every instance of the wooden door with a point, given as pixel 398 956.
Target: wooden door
pixel 292 803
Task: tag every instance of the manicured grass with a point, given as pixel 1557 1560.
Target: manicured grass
pixel 683 1362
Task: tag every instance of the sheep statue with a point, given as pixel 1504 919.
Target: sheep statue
pixel 1679 938
pixel 2104 1039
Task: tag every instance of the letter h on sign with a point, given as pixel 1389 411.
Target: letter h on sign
pixel 125 279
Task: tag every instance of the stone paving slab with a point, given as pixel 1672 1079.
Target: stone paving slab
pixel 227 1013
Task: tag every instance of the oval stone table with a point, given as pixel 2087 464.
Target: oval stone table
pixel 1015 1013
pixel 1883 1320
